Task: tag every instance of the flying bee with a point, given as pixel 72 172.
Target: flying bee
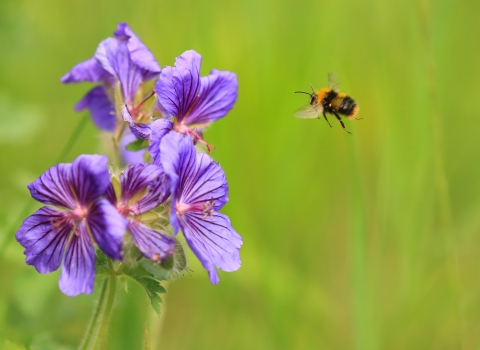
pixel 328 100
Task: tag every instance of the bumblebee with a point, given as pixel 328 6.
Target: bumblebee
pixel 328 101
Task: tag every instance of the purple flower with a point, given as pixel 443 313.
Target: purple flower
pixel 77 217
pixel 122 58
pixel 195 101
pixel 199 189
pixel 143 188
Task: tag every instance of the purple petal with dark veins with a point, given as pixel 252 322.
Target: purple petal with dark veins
pixel 178 160
pixel 138 177
pixel 100 107
pixel 130 157
pixel 154 245
pixel 113 55
pixel 78 270
pixel 89 70
pixel 107 227
pixel 160 128
pixel 110 195
pixel 53 187
pixel 139 53
pixel 89 177
pixel 140 130
pixel 218 93
pixel 44 244
pixel 178 87
pixel 213 240
pixel 206 183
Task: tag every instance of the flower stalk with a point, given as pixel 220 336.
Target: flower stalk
pixel 97 329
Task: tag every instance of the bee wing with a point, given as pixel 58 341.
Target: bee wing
pixel 309 111
pixel 333 82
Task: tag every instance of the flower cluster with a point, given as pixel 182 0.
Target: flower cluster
pixel 166 186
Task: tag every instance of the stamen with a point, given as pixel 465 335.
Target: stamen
pixel 184 129
pixel 205 207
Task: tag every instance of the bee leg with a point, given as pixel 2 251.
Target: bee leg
pixel 358 118
pixel 341 122
pixel 326 119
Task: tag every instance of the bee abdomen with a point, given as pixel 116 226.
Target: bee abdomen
pixel 348 107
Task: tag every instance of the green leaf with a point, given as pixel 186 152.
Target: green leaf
pixel 156 270
pixel 137 145
pixel 153 288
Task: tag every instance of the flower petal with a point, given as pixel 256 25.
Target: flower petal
pixel 178 161
pixel 101 108
pixel 154 245
pixel 89 70
pixel 213 240
pixel 139 53
pixel 138 178
pixel 178 87
pixel 44 244
pixel 140 130
pixel 206 183
pixel 218 94
pixel 89 177
pixel 113 55
pixel 107 227
pixel 53 187
pixel 130 157
pixel 78 270
pixel 160 128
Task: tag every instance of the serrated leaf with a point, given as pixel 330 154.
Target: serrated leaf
pixel 137 145
pixel 153 288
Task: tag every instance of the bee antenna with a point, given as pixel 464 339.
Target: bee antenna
pixel 303 92
pixel 312 88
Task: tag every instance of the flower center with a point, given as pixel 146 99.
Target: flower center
pixel 124 210
pixel 202 207
pixel 194 134
pixel 79 213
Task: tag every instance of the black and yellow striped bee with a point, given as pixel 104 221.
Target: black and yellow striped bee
pixel 328 100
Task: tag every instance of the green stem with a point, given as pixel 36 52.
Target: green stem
pixel 28 206
pixel 96 331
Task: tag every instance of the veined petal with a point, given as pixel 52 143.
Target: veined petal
pixel 138 177
pixel 178 161
pixel 154 245
pixel 100 107
pixel 218 93
pixel 113 55
pixel 53 187
pixel 89 177
pixel 44 244
pixel 89 70
pixel 160 128
pixel 130 157
pixel 213 240
pixel 207 183
pixel 178 87
pixel 139 53
pixel 140 130
pixel 110 194
pixel 78 270
pixel 107 227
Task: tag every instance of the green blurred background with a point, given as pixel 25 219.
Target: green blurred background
pixel 363 241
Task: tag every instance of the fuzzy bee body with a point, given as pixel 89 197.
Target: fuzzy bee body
pixel 329 101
